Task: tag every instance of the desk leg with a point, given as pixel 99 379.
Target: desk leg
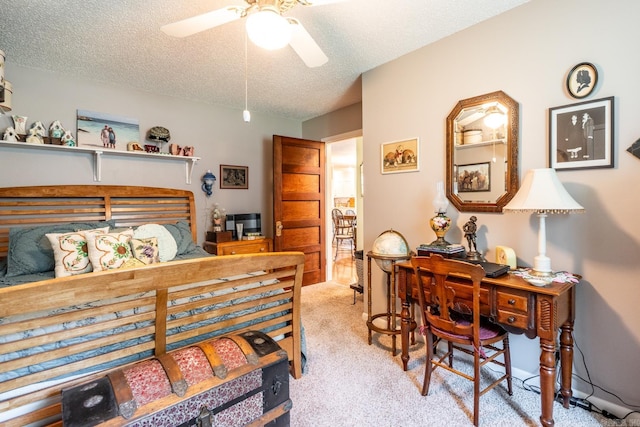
pixel 547 379
pixel 566 362
pixel 405 328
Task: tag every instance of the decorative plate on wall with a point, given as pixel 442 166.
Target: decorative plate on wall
pixel 582 79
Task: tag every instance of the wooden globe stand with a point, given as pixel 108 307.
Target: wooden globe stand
pixel 391 327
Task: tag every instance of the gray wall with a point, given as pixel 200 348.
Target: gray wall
pixel 527 53
pixel 218 134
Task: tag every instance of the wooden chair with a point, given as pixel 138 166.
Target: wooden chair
pixel 342 232
pixel 447 317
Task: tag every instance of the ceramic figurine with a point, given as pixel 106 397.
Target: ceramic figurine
pixel 10 134
pixel 134 146
pixel 34 137
pixel 39 129
pixel 20 124
pixel 188 151
pixel 68 139
pixel 175 150
pixel 56 130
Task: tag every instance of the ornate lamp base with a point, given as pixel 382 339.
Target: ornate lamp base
pixel 440 225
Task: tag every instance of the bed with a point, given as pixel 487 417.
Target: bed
pixel 57 332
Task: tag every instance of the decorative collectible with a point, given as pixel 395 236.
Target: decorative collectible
pixel 68 139
pixel 20 124
pixel 56 130
pixel 39 129
pixel 34 136
pixel 10 135
pixel 582 79
pixel 158 133
pixel 470 229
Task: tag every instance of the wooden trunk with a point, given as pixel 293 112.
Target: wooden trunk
pixel 234 380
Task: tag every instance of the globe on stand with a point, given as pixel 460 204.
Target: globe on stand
pixel 390 244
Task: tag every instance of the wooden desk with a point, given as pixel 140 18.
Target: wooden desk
pixel 520 308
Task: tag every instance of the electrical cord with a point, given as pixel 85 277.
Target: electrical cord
pixel 583 403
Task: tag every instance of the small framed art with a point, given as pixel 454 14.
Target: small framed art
pixel 235 177
pixel 106 130
pixel 474 177
pixel 582 79
pixel 581 135
pixel 399 156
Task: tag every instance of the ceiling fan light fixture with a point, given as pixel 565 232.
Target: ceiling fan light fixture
pixel 268 29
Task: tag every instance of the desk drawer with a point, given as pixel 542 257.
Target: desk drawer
pixel 512 308
pixel 251 248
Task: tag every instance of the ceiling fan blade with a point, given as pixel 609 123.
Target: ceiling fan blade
pixel 203 22
pixel 305 46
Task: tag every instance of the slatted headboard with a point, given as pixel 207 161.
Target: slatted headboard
pixel 127 205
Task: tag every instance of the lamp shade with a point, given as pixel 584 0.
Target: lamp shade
pixel 541 191
pixel 268 29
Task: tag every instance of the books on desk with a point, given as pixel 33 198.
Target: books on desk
pixel 426 249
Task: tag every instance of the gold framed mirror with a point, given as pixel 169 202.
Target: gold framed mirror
pixel 482 153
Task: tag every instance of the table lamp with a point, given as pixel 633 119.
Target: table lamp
pixel 542 192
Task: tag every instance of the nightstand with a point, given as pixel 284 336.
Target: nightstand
pixel 235 247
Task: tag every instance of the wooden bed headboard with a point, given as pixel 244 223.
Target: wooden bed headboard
pixel 127 205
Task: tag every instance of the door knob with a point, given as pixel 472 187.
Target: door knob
pixel 279 228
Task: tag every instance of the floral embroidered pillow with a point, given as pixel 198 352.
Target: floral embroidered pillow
pixel 70 251
pixel 166 242
pixel 110 250
pixel 146 250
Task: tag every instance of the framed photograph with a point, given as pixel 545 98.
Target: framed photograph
pixel 473 177
pixel 581 135
pixel 234 177
pixel 106 130
pixel 582 79
pixel 399 156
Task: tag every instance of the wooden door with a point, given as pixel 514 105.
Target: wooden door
pixel 298 202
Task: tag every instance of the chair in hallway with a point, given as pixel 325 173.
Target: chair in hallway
pixel 343 232
pixel 447 317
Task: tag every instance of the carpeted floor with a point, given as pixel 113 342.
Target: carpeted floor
pixel 349 383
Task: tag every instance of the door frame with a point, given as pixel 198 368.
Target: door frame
pixel 357 134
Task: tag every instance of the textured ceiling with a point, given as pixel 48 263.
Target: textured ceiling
pixel 120 42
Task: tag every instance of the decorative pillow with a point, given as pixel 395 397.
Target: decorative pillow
pixel 70 251
pixel 166 243
pixel 181 232
pixel 133 263
pixel 109 250
pixel 30 251
pixel 146 250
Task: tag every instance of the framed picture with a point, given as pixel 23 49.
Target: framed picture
pixel 581 135
pixel 234 177
pixel 473 177
pixel 106 130
pixel 399 156
pixel 582 79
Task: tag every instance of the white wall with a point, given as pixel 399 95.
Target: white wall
pixel 218 134
pixel 527 53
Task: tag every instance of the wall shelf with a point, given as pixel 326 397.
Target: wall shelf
pixel 189 162
pixel 480 144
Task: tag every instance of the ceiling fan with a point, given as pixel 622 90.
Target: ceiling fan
pixel 266 27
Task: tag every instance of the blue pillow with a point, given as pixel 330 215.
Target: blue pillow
pixel 181 232
pixel 30 251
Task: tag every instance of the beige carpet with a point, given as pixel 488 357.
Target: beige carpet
pixel 349 383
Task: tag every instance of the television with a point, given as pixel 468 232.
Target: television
pixel 250 221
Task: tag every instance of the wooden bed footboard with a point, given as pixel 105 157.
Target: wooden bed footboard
pixel 96 322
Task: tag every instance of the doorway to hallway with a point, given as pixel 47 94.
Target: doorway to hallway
pixel 343 192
